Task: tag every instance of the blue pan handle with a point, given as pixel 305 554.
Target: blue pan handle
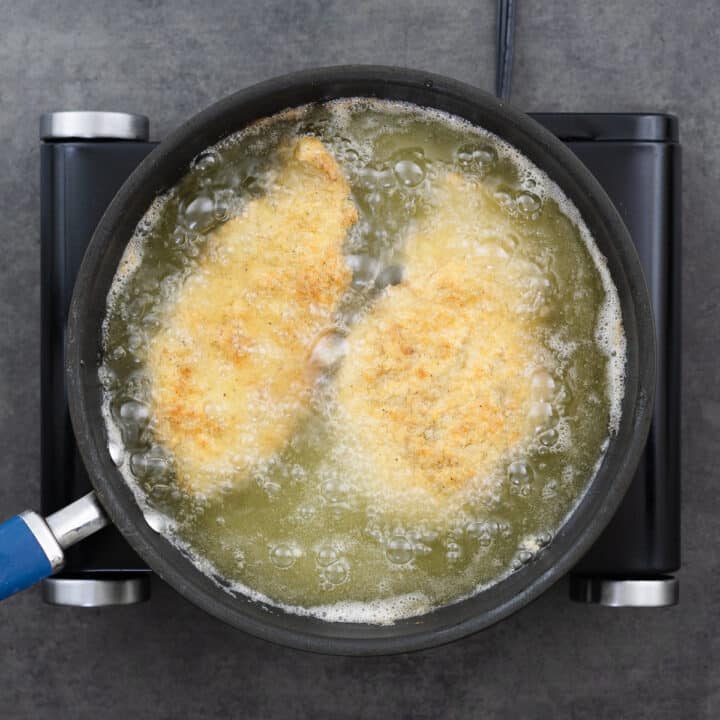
pixel 32 547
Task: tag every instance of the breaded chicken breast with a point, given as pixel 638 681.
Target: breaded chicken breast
pixel 229 370
pixel 436 385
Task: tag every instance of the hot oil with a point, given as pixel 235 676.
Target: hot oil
pixel 306 530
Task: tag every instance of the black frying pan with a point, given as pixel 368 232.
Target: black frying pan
pixel 29 547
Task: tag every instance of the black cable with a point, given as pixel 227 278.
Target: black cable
pixel 505 41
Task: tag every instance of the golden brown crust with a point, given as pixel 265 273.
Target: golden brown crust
pixel 436 384
pixel 229 369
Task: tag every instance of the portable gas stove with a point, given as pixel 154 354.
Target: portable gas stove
pixel 85 157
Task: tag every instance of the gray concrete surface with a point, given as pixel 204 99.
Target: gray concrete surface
pixel 166 659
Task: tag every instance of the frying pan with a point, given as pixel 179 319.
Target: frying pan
pixel 31 547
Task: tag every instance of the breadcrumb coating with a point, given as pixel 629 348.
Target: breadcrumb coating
pixel 230 371
pixel 436 385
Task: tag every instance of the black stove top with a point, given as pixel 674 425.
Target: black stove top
pixel 636 157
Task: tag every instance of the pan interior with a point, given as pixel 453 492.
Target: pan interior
pixel 305 527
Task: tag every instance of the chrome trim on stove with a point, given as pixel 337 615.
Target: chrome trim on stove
pixel 45 538
pixel 85 592
pixel 641 592
pixel 85 125
pixel 78 520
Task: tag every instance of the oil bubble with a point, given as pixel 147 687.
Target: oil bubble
pixel 376 178
pixel 564 396
pixel 548 437
pixel 519 473
pixel 329 350
pixel 160 491
pixel 528 203
pixel 336 494
pixel 116 453
pixel 284 555
pixel 152 321
pixel 351 156
pixel 476 157
pixel 133 421
pixel 336 573
pixel 408 173
pixel 399 550
pixel 136 340
pixel 272 489
pixel 540 413
pixel 373 201
pixel 524 556
pixel 159 522
pixel 504 199
pixel 481 532
pixel 326 555
pixel 205 160
pixel 108 377
pixel 222 202
pixel 199 214
pixel 134 411
pixel 542 386
pixel 152 463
